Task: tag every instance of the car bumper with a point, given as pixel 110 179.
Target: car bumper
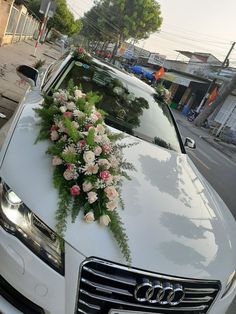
pixel 31 286
pixel 27 276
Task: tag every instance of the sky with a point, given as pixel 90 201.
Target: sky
pixel 200 26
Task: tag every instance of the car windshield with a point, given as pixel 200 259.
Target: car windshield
pixel 130 104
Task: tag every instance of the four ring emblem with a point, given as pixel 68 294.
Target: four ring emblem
pixel 157 292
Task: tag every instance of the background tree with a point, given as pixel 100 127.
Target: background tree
pixel 63 20
pixel 218 103
pixel 119 20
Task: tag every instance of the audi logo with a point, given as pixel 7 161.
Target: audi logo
pixel 157 292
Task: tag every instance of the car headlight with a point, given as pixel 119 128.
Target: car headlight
pixel 230 283
pixel 19 220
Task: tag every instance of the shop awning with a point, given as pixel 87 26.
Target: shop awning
pixel 181 79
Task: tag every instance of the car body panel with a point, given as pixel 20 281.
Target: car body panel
pixel 173 223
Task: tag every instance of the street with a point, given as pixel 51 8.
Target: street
pixel 218 169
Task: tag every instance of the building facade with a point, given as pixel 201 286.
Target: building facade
pixel 16 23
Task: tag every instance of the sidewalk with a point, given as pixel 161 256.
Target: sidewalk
pixel 228 149
pixel 11 88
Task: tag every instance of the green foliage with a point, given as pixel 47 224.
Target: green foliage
pixel 63 19
pixel 62 210
pixel 116 227
pixel 71 130
pixel 117 21
pixel 90 137
pixel 76 207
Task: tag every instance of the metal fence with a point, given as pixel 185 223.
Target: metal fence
pixel 21 25
pixel 12 21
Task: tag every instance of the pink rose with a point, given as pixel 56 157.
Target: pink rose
pixel 81 50
pixel 89 217
pixel 53 128
pixel 75 190
pixel 111 193
pixel 68 114
pixel 106 148
pixel 82 143
pixel 87 126
pixel 104 175
pixel 70 167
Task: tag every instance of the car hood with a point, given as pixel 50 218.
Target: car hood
pixel 176 224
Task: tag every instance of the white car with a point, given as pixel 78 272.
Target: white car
pixel 182 236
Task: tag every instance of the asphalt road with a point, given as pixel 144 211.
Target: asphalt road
pixel 218 169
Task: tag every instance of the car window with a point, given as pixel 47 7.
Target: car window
pixel 53 68
pixel 131 105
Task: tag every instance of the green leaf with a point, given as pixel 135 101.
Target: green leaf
pixel 116 227
pixel 71 130
pixel 90 137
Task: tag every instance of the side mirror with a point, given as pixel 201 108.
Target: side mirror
pixel 190 143
pixel 28 74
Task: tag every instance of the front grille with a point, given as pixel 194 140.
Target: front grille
pixel 104 286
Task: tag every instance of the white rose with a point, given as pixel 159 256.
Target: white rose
pixel 78 94
pixel 54 135
pixel 89 217
pixel 75 124
pixel 111 193
pixel 111 205
pixel 114 162
pixel 97 138
pixel 89 157
pixel 63 109
pixel 105 139
pixel 71 106
pixel 100 129
pixel 87 186
pixel 104 220
pixel 56 161
pixel 93 118
pixel 92 197
pixel 97 150
pixel 77 113
pixel 91 169
pixel 104 163
pixel 68 175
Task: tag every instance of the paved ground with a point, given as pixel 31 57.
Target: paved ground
pixel 218 167
pixel 11 88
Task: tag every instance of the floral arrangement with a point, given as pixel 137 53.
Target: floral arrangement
pixel 87 160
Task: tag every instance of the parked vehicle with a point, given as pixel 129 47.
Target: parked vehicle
pixel 182 236
pixel 192 115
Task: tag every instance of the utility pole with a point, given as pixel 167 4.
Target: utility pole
pixel 45 18
pixel 224 63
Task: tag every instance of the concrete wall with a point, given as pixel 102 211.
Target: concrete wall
pixel 5 7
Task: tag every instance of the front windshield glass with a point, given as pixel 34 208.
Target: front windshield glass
pixel 131 105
